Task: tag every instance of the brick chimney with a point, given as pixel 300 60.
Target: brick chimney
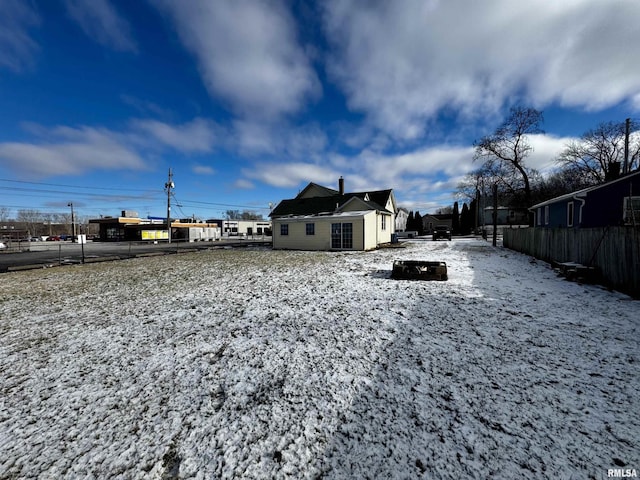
pixel 341 185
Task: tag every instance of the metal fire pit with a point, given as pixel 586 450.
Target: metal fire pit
pixel 419 270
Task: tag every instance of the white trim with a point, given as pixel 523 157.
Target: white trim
pixel 546 214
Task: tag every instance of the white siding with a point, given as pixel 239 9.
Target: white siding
pixel 384 236
pixel 370 231
pixel 367 231
pixel 297 239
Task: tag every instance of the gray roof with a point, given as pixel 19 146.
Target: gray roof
pixel 330 203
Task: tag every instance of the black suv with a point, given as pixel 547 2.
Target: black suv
pixel 441 231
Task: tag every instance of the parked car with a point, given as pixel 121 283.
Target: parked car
pixel 441 231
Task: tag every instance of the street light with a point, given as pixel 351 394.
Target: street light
pixel 73 223
pixel 168 186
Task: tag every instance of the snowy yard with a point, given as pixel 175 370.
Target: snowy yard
pixel 273 364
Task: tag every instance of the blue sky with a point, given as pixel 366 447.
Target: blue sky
pixel 248 101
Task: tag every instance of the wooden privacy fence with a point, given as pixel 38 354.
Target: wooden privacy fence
pixel 615 251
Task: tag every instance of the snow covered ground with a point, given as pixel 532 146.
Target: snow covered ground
pixel 273 364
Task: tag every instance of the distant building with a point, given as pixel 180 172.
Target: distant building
pixel 431 220
pixel 507 216
pixel 124 228
pixel 243 228
pixel 402 215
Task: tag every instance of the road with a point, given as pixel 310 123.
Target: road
pixel 66 253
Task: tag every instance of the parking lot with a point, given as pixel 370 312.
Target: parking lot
pixel 49 254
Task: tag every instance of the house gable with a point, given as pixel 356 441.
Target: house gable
pixel 384 198
pixel 314 190
pixel 355 204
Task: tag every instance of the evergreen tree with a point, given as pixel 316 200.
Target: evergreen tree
pixel 418 223
pixel 410 221
pixel 473 214
pixel 455 221
pixel 465 220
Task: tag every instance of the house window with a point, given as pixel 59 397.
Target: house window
pixel 632 210
pixel 311 228
pixel 570 214
pixel 342 235
pixel 284 229
pixel 546 215
pixel 384 222
pixel 539 216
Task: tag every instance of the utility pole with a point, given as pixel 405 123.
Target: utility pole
pixel 168 186
pixel 627 128
pixel 73 222
pixel 495 214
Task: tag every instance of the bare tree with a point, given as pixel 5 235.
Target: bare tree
pixel 4 214
pixel 250 215
pixel 31 219
pixel 504 152
pixel 510 185
pixel 599 153
pixel 561 182
pixel 233 214
pixel 448 210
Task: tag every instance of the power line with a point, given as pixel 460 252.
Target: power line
pixel 106 201
pixel 189 202
pixel 75 186
pixel 75 194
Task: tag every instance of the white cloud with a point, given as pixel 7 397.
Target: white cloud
pixel 74 152
pixel 405 62
pixel 196 136
pixel 291 174
pixel 546 149
pixel 425 161
pixel 100 21
pixel 247 53
pixel 244 184
pixel 203 170
pixel 278 139
pixel 64 150
pixel 17 48
pixel 369 170
pixel 145 107
pixel 424 179
pixel 255 138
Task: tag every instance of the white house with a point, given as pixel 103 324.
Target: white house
pixel 402 215
pixel 320 218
